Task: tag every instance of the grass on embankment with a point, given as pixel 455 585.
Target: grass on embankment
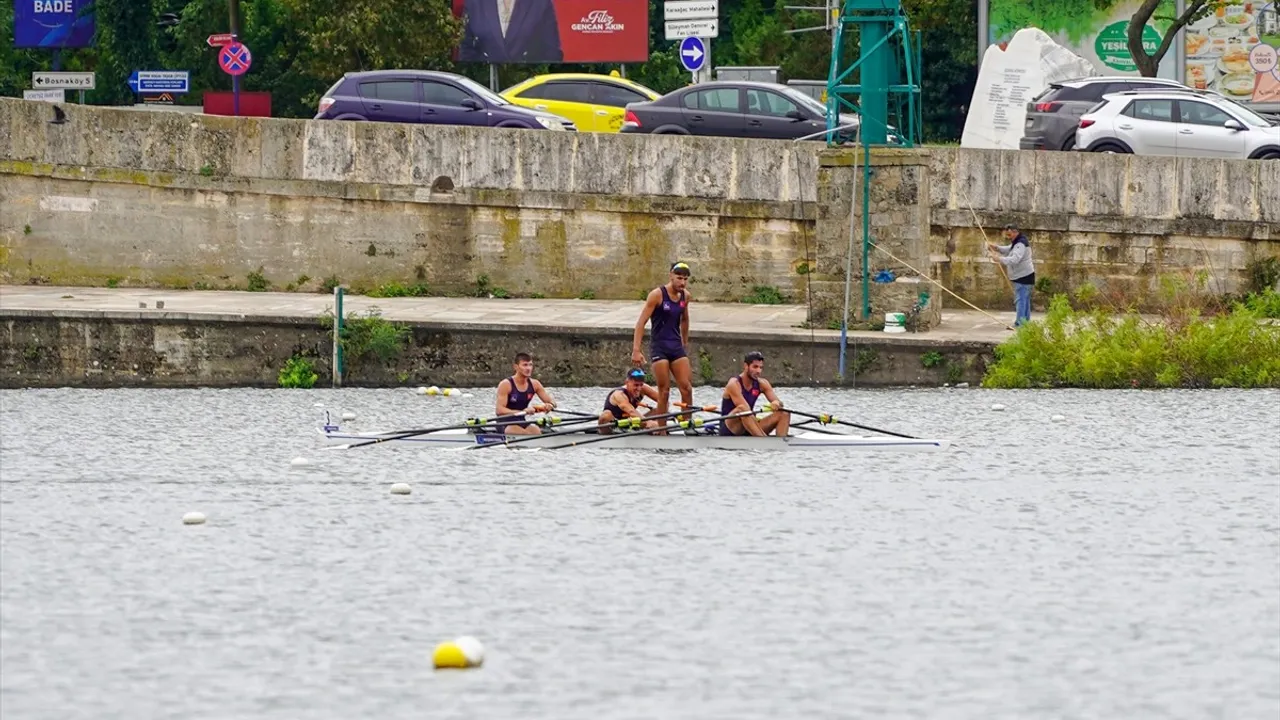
pixel 1105 348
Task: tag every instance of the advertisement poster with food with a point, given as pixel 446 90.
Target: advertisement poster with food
pixel 1096 30
pixel 1233 51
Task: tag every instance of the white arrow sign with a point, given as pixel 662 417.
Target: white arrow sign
pixel 690 9
pixel 694 53
pixel 64 80
pixel 680 29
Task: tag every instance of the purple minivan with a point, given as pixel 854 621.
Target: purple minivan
pixel 423 96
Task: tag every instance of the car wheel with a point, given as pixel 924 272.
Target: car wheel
pixel 1110 149
pixel 1070 143
pixel 1270 155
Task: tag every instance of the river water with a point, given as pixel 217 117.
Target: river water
pixel 1121 563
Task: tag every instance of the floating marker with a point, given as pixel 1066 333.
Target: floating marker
pixel 320 405
pixel 193 518
pixel 421 391
pixel 450 392
pixel 997 407
pixel 348 416
pixel 299 461
pixel 1058 418
pixel 433 390
pixel 467 395
pixel 465 652
pixel 400 489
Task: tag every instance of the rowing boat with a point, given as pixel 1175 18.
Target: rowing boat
pixel 675 440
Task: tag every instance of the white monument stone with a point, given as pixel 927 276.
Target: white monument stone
pixel 1009 79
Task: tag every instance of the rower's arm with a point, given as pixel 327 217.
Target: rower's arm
pixel 740 405
pixel 543 395
pixel 650 303
pixel 500 406
pixel 766 387
pixel 684 319
pixel 624 404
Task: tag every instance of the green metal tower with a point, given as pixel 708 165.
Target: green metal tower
pixel 887 93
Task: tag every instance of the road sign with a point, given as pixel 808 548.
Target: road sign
pixel 234 59
pixel 64 80
pixel 690 9
pixel 680 29
pixel 693 54
pixel 160 81
pixel 220 40
pixel 58 95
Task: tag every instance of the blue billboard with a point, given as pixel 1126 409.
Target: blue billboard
pixel 52 23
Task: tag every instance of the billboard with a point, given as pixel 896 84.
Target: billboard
pixel 52 23
pixel 1233 50
pixel 553 31
pixel 1093 29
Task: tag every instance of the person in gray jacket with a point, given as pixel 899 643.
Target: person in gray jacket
pixel 1016 257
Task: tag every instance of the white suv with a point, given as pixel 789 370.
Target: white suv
pixel 1179 123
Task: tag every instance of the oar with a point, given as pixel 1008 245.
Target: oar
pixel 826 419
pixel 414 433
pixel 649 431
pixel 624 422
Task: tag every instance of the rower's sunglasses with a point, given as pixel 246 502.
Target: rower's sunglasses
pixel 635 375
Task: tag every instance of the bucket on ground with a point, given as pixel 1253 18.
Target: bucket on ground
pixel 895 322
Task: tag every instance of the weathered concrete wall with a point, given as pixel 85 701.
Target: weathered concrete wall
pixel 159 349
pixel 1117 221
pixel 167 198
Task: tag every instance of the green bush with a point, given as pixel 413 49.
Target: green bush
pixel 1106 349
pixel 297 373
pixel 1266 303
pixel 764 295
pixel 395 289
pixel 372 336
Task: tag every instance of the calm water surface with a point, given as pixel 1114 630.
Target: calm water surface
pixel 1123 563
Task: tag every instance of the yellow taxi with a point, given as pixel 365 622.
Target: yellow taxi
pixel 595 103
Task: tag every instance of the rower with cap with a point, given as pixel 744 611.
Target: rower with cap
pixel 740 395
pixel 624 402
pixel 514 395
pixel 666 309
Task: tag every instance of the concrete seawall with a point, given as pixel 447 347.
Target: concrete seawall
pixel 166 199
pixel 83 337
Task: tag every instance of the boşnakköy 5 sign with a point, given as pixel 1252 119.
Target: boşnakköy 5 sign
pixel 53 23
pixel 1096 30
pixel 553 31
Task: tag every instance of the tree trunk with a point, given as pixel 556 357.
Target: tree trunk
pixel 1149 64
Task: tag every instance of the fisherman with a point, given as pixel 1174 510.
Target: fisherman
pixel 667 309
pixel 1016 256
pixel 740 395
pixel 514 395
pixel 624 402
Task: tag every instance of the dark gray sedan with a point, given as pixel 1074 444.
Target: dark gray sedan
pixel 734 109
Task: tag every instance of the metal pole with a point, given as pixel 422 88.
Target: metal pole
pixel 233 9
pixel 984 31
pixel 337 336
pixel 493 77
pixel 848 272
pixel 866 227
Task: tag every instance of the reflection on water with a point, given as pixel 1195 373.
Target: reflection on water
pixel 1122 563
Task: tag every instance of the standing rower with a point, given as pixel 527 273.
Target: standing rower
pixel 514 395
pixel 624 402
pixel 667 309
pixel 740 395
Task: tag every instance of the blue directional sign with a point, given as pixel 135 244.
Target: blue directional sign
pixel 693 54
pixel 176 82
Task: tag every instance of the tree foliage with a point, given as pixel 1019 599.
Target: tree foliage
pixel 301 47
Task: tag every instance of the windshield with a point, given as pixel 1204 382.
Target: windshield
pixel 484 92
pixel 1246 114
pixel 807 100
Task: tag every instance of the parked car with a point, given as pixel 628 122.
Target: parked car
pixel 1182 124
pixel 734 109
pixel 1054 114
pixel 595 103
pixel 421 96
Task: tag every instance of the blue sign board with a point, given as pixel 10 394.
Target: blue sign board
pixel 693 54
pixel 53 23
pixel 175 82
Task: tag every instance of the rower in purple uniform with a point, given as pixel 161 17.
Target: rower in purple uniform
pixel 624 402
pixel 740 395
pixel 514 395
pixel 667 309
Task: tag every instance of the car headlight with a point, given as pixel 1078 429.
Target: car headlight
pixel 549 123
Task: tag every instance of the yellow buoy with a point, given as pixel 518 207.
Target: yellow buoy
pixel 465 652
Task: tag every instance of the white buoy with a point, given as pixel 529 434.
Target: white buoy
pixel 320 405
pixel 1058 418
pixel 450 392
pixel 348 416
pixel 299 461
pixel 400 489
pixel 433 390
pixel 467 395
pixel 193 518
pixel 421 391
pixel 464 652
pixel 997 407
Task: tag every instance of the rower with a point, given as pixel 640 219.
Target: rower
pixel 514 395
pixel 667 309
pixel 740 395
pixel 623 402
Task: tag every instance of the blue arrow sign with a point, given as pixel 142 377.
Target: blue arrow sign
pixel 693 54
pixel 176 82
